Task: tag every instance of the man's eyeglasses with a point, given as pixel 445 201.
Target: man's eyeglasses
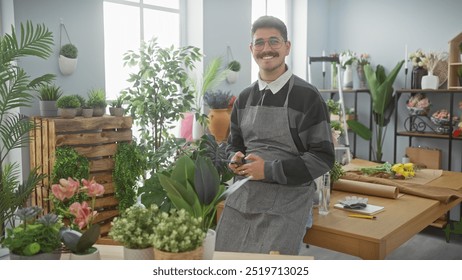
pixel 274 43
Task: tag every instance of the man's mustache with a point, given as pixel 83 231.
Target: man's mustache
pixel 275 54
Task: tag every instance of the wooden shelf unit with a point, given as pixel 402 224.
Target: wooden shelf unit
pixel 454 62
pixel 95 138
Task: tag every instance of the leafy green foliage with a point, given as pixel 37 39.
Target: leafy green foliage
pixel 68 101
pixel 160 92
pixel 216 152
pixel 69 51
pixel 15 91
pixel 50 92
pixel 129 165
pixel 381 86
pixel 234 65
pixel 97 98
pixel 34 236
pixel 69 163
pixel 336 172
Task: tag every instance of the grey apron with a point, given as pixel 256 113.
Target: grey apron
pixel 261 217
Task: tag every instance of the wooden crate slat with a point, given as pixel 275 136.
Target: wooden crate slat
pixel 106 215
pixel 109 188
pixel 105 202
pixel 105 228
pixel 97 151
pixel 93 138
pixel 33 160
pixel 101 164
pixel 80 123
pixel 103 177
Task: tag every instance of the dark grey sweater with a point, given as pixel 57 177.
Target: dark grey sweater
pixel 309 127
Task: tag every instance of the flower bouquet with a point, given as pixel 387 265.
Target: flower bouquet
pixel 387 170
pixel 347 58
pixel 443 120
pixel 418 104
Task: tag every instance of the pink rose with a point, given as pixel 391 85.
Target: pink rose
pixel 83 214
pixel 93 188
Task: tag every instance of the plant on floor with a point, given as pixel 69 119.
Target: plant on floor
pixel 381 87
pixel 34 235
pixel 16 88
pixel 129 166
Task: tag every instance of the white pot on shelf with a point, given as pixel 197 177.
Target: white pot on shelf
pixel 430 81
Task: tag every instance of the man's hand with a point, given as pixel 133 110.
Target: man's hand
pixel 254 166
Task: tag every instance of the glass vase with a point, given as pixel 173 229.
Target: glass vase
pixel 416 77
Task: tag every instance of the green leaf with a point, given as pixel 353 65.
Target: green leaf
pixel 360 129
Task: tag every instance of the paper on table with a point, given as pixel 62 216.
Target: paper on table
pixel 369 210
pixel 366 188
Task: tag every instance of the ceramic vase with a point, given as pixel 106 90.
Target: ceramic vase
pixel 231 76
pixel 139 254
pixel 416 77
pixel 197 130
pixel 361 76
pixel 348 78
pixel 209 244
pixel 196 254
pixel 94 255
pixel 219 124
pixel 430 81
pixel 67 65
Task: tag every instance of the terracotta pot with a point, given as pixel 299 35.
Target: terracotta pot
pixel 196 254
pixel 219 123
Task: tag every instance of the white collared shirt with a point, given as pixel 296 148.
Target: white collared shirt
pixel 275 86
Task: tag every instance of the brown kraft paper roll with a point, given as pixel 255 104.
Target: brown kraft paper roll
pixel 366 188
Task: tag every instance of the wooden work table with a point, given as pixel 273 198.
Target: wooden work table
pixel 375 239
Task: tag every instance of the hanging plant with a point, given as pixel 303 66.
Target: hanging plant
pixel 233 67
pixel 69 163
pixel 67 54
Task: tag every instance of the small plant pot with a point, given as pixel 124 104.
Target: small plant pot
pixel 48 108
pixel 67 65
pixel 87 112
pixel 67 113
pixel 116 112
pixel 232 76
pixel 99 111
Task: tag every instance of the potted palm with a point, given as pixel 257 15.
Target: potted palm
pixel 68 59
pixel 68 106
pixel 381 87
pixel 97 100
pixel 37 42
pixel 48 94
pixel 135 229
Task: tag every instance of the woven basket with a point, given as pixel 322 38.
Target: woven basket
pixel 196 254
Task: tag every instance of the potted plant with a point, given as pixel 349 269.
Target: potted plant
pixel 97 100
pixel 35 238
pixel 68 59
pixel 116 107
pixel 82 101
pixel 80 244
pixel 219 117
pixel 233 74
pixel 178 236
pixel 160 93
pixel 48 94
pixel 68 106
pixel 87 110
pixel 381 87
pixel 38 42
pixel 135 229
pixel 195 186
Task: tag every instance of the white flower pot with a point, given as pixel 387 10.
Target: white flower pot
pixel 232 76
pixel 430 81
pixel 209 244
pixel 67 65
pixel 91 256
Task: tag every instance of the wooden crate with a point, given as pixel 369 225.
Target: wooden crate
pixel 95 138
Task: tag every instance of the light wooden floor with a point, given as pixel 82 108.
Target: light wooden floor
pixel 430 244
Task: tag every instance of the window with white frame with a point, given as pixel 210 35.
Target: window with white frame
pixel 126 24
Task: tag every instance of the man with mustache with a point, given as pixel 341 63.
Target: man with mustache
pixel 281 137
